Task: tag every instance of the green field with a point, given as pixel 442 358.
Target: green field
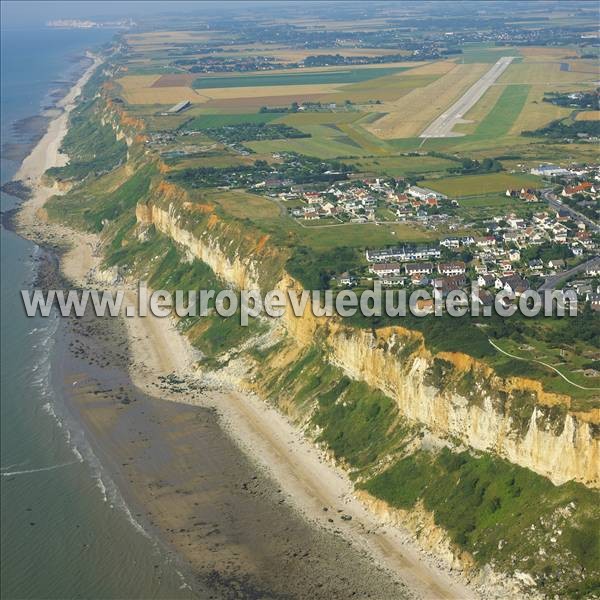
pixel 331 146
pixel 469 185
pixel 504 113
pixel 301 78
pixel 398 166
pixel 485 53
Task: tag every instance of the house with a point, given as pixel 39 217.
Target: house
pixel 485 298
pixel 556 263
pixel 582 188
pixel 419 268
pixel 448 284
pixel 516 222
pixel 486 280
pixel 392 281
pixel 452 268
pixel 311 215
pixel 480 267
pixel 514 255
pixel 450 243
pixel 488 241
pixel 577 250
pixel 382 269
pixel 512 283
pixel 593 269
pixel 529 196
pixel 536 265
pixel 594 300
pixel 402 253
pixel 347 279
pixel 312 197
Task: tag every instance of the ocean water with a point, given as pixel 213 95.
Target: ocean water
pixel 65 532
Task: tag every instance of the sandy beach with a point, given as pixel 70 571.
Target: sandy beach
pixel 309 485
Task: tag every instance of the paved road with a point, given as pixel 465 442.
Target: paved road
pixel 552 281
pixel 443 125
pixel 555 203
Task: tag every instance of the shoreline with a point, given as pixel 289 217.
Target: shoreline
pixel 310 483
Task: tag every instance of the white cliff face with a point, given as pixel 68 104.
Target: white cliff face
pixel 396 362
pixel 234 271
pixel 573 454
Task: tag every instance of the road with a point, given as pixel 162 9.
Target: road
pixel 555 203
pixel 552 281
pixel 581 387
pixel 443 125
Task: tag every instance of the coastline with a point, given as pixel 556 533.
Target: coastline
pixel 158 351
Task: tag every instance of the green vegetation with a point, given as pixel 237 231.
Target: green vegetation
pixel 476 52
pixel 504 113
pixel 246 132
pixel 91 208
pixel 301 78
pixel 295 168
pixel 482 500
pixel 314 269
pixel 212 121
pixel 584 100
pixel 469 185
pixel 91 147
pixel 566 129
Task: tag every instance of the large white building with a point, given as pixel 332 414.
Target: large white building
pixel 403 254
pixel 423 193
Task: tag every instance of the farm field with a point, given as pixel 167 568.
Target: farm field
pixel 588 115
pixel 543 73
pixel 468 185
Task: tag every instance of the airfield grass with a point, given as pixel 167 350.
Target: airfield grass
pixel 468 185
pixel 504 113
pixel 401 166
pixel 485 53
pixel 302 78
pixel 320 145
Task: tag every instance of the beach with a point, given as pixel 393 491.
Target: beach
pixel 232 488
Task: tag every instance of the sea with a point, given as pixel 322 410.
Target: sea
pixel 65 531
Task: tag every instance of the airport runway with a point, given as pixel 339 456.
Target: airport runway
pixel 443 125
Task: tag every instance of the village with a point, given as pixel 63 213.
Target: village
pixel 555 247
